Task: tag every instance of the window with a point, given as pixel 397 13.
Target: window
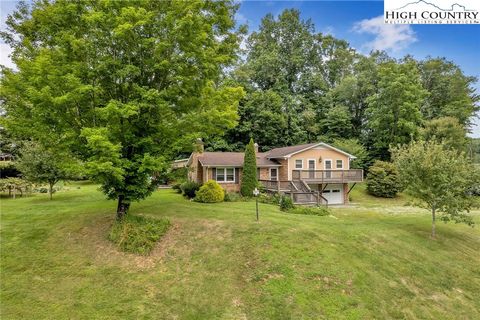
pixel 339 164
pixel 273 174
pixel 225 175
pixel 230 174
pixel 299 164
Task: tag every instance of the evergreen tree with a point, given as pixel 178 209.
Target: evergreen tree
pixel 249 173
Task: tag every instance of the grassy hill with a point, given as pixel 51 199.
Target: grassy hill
pixel 371 260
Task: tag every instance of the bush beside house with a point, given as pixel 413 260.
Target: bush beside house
pixel 189 188
pixel 286 203
pixel 383 180
pixel 210 192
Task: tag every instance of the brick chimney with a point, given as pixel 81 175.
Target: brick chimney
pixel 255 146
pixel 199 145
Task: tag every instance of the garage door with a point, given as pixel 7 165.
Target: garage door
pixel 334 194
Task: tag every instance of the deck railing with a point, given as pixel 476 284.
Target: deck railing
pixel 299 191
pixel 278 185
pixel 327 176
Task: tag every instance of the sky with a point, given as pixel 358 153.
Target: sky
pixel 361 24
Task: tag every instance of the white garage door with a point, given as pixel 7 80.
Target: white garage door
pixel 333 193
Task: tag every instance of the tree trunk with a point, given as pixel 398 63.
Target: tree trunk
pixel 51 190
pixel 433 222
pixel 122 207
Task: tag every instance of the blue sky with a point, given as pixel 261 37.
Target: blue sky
pixel 360 23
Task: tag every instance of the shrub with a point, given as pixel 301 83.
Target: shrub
pixel 383 180
pixel 314 211
pixel 189 188
pixel 232 197
pixel 249 173
pixel 177 187
pixel 269 198
pixel 210 192
pixel 138 234
pixel 286 203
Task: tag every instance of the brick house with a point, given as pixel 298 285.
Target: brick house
pixel 309 173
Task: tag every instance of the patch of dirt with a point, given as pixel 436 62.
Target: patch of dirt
pixel 271 276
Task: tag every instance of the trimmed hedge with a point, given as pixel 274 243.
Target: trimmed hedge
pixel 383 180
pixel 210 192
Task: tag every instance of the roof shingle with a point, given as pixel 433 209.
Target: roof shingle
pixel 234 159
pixel 282 152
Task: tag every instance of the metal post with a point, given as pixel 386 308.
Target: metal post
pixel 256 192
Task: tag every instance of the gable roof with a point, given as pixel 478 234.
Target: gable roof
pixel 283 152
pixel 287 152
pixel 233 159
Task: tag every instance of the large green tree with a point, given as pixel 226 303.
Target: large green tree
pixel 439 177
pixel 446 130
pixel 291 66
pixel 124 85
pixel 451 92
pixel 394 113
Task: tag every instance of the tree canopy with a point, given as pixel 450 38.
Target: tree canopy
pixel 438 176
pixel 123 85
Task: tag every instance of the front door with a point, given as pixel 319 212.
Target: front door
pixel 311 169
pixel 328 168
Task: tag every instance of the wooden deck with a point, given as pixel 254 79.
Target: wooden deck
pixel 328 176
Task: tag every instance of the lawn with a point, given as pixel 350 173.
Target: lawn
pixel 371 260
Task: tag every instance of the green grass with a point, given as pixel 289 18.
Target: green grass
pixel 138 234
pixel 373 260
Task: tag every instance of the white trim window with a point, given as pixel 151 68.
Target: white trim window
pixel 273 174
pixel 330 164
pixel 298 163
pixel 225 175
pixel 339 164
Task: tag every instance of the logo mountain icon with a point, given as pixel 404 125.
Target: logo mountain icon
pixel 420 2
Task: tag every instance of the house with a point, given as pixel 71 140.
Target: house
pixel 313 173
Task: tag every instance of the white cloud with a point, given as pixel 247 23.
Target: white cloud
pixel 240 18
pixel 389 37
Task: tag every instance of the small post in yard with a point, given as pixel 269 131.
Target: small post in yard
pixel 256 193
